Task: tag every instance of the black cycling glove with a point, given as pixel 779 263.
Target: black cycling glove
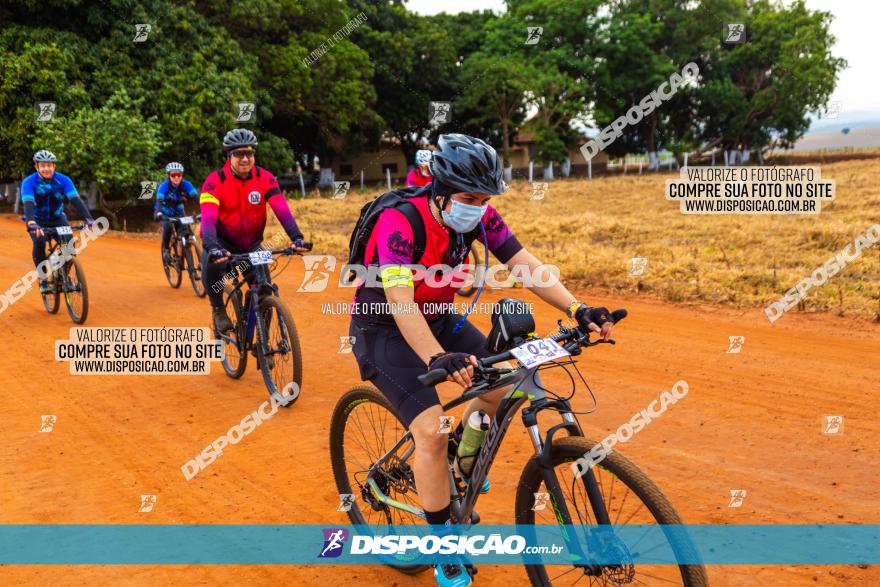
pixel 450 362
pixel 586 315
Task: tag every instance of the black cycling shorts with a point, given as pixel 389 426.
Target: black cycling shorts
pixel 387 360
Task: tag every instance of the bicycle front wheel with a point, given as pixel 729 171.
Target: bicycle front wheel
pixel 76 291
pixel 171 267
pixel 279 354
pixel 630 497
pixel 363 428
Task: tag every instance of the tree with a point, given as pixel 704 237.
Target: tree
pixel 112 145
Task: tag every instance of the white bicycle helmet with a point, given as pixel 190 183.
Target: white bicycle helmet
pixel 423 156
pixel 173 166
pixel 44 156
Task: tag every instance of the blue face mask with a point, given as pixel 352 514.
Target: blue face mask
pixel 463 217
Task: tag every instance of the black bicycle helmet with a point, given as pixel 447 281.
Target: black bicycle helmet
pixel 466 164
pixel 239 137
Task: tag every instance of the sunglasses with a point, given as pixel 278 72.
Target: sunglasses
pixel 175 175
pixel 243 154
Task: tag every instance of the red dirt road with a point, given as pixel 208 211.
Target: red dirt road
pixel 750 421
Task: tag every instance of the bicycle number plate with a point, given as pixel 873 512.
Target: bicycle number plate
pixel 186 219
pixel 538 351
pixel 64 230
pixel 260 257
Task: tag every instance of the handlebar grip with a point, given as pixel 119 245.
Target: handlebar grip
pixel 618 315
pixel 433 377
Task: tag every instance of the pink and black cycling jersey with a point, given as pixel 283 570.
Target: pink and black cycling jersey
pixel 234 208
pixel 415 178
pixel 391 244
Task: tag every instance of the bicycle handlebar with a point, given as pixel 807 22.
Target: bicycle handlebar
pixel 195 217
pixel 285 251
pixel 569 337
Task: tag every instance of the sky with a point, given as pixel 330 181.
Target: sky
pixel 853 26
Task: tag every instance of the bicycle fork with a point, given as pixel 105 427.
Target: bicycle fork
pixel 543 452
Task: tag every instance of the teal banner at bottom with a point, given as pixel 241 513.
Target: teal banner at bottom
pixel 257 544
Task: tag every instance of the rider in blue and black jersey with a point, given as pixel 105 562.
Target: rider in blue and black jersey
pixel 170 197
pixel 44 195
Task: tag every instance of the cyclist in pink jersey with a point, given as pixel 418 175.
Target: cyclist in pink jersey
pixel 420 175
pixel 392 349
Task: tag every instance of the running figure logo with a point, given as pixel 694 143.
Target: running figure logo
pixel 440 112
pixel 446 424
pixel 736 344
pixel 534 35
pixel 148 188
pixel 346 344
pixel 141 32
pixel 540 501
pixel 539 189
pixel 317 273
pixel 833 425
pixel 245 111
pixel 637 266
pixel 734 34
pixel 46 111
pixel 147 503
pixel 737 496
pixel 48 423
pixel 340 189
pixel 334 539
pixel 346 500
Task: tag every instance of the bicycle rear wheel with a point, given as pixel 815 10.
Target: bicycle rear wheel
pixel 170 267
pixel 364 427
pixel 279 354
pixel 76 291
pixel 52 300
pixel 193 254
pixel 637 501
pixel 235 357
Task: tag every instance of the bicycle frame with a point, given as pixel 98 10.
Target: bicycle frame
pixel 253 321
pixel 526 386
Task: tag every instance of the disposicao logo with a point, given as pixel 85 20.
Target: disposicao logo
pixel 334 540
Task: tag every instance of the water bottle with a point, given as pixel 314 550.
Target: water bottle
pixel 471 441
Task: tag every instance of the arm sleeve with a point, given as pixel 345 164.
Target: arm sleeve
pixel 502 242
pixel 209 207
pixel 394 248
pixel 27 198
pixel 80 207
pixel 411 178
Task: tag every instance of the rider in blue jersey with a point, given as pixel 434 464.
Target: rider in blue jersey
pixel 44 195
pixel 170 197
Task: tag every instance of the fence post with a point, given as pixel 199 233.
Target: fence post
pixel 302 185
pixel 624 164
pixel 685 160
pixel 531 170
pixel 640 165
pixel 713 158
pixel 388 177
pixel 362 180
pixel 590 168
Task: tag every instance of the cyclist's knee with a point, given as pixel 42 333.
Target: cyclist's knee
pixel 426 432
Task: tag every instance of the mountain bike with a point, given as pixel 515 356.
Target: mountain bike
pixel 68 278
pixel 183 250
pixel 263 326
pixel 608 496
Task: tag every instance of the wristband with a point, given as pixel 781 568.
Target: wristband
pixel 573 307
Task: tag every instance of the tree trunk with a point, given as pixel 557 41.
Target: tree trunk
pixel 505 142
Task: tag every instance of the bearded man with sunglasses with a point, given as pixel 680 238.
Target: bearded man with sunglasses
pixel 233 207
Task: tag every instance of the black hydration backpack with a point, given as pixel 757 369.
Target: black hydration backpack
pixel 399 199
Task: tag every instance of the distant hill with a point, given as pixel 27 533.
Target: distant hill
pixel 858 138
pixel 851 120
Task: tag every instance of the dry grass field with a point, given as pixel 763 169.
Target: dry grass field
pixel 592 229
